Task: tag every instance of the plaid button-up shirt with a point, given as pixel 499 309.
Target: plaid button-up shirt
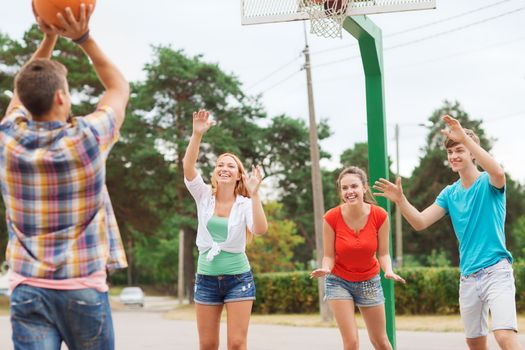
pixel 60 220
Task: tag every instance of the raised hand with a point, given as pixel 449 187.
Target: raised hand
pixel 455 132
pixel 319 273
pixel 253 181
pixel 393 276
pixel 201 122
pixel 70 27
pixel 393 192
pixel 44 27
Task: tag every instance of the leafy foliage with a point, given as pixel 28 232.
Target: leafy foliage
pixel 274 251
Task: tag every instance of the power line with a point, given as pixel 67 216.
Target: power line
pixel 456 29
pixel 438 59
pixel 269 75
pixel 412 42
pixel 462 53
pixel 493 119
pixel 280 82
pixel 426 25
pixel 432 36
pixel 506 116
pixel 337 61
pixel 466 13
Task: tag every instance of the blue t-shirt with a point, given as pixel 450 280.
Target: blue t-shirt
pixel 478 217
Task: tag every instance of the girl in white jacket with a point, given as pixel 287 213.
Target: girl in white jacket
pixel 227 211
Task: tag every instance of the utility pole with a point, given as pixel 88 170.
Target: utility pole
pixel 180 279
pixel 399 233
pixel 317 184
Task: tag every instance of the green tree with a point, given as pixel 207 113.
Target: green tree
pixel 274 251
pixel 286 159
pixel 356 156
pixel 518 239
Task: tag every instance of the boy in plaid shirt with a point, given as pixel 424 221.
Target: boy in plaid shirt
pixel 63 235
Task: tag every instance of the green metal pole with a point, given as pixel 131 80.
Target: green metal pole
pixel 371 45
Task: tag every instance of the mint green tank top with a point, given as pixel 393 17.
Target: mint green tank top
pixel 225 263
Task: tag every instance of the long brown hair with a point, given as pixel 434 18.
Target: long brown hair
pixel 353 170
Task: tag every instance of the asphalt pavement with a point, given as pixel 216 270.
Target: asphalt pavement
pixel 142 329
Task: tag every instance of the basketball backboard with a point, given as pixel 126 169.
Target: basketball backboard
pixel 273 11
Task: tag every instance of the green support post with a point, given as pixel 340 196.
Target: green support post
pixel 371 45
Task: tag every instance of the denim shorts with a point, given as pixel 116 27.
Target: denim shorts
pixel 364 293
pixel 493 289
pixel 217 290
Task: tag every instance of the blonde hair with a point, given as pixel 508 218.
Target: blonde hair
pixel 353 170
pixel 240 188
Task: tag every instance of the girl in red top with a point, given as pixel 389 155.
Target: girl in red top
pixel 353 233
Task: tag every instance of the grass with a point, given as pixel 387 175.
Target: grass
pixel 421 323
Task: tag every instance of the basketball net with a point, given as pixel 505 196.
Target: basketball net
pixel 326 16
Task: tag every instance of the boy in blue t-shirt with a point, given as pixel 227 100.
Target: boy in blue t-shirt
pixel 476 206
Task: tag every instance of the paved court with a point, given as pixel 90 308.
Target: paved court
pixel 139 330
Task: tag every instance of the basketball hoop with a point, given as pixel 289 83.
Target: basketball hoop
pixel 326 16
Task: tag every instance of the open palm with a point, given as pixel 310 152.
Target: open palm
pixel 253 181
pixel 395 277
pixel 201 122
pixel 393 192
pixel 319 273
pixel 455 131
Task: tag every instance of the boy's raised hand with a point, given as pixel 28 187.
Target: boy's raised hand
pixel 44 27
pixel 455 131
pixel 71 28
pixel 393 192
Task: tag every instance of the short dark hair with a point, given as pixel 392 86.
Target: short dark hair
pixel 37 82
pixel 449 143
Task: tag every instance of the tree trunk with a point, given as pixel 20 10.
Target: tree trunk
pixel 189 262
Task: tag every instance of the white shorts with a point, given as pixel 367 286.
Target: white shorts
pixel 491 289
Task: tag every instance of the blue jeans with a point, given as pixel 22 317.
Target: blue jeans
pixel 217 290
pixel 44 318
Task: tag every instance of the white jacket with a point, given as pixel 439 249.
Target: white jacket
pixel 241 217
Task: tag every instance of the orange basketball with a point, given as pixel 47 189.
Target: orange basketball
pixel 48 9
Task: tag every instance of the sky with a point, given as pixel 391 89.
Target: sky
pixel 472 51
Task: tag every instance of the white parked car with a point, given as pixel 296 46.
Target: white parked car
pixel 132 296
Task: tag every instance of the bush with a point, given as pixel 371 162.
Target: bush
pixel 286 293
pixel 428 291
